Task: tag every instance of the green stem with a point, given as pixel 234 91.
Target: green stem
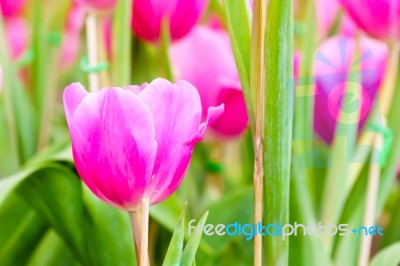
pixel 165 44
pixel 257 84
pixel 278 124
pixel 122 44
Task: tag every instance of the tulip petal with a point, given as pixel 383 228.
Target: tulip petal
pixel 213 114
pixel 176 112
pixel 114 146
pixel 185 16
pixel 234 120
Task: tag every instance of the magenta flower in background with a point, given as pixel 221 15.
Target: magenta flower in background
pixel 205 58
pixel 379 18
pixel 331 69
pixel 17 33
pixel 135 142
pixel 11 8
pixel 181 15
pixel 100 5
pixel 327 13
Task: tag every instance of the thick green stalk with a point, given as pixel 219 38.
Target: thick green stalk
pixel 257 84
pixel 122 42
pixel 278 124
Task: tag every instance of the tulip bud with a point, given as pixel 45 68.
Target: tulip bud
pixel 378 18
pixel 135 142
pixel 205 58
pixel 180 16
pixel 335 61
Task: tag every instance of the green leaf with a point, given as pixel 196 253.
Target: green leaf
pixel 278 124
pixel 174 252
pixel 52 251
pixel 389 256
pixel 21 230
pixel 55 193
pixel 95 233
pixel 109 235
pixel 190 250
pixel 238 20
pixel 241 208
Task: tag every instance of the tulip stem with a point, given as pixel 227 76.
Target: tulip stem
pixel 371 198
pixel 257 79
pixel 91 35
pixel 140 226
pixel 165 43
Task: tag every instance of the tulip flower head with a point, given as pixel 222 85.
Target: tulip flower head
pixel 378 18
pixel 205 58
pixel 11 8
pixel 100 5
pixel 180 15
pixel 335 61
pixel 135 142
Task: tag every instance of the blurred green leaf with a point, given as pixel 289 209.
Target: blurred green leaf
pixel 109 235
pixel 52 251
pixel 21 230
pixel 174 252
pixel 389 256
pixel 55 194
pixel 237 206
pixel 191 247
pixel 97 234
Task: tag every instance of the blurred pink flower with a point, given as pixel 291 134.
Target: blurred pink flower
pixel 335 61
pixel 72 36
pixel 181 15
pixel 17 33
pixel 11 8
pixel 135 142
pixel 204 58
pixel 379 18
pixel 100 5
pixel 327 13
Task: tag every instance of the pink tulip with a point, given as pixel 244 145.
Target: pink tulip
pixel 327 13
pixel 334 62
pixel 99 5
pixel 205 58
pixel 72 38
pixel 181 16
pixel 379 18
pixel 17 33
pixel 135 142
pixel 11 8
